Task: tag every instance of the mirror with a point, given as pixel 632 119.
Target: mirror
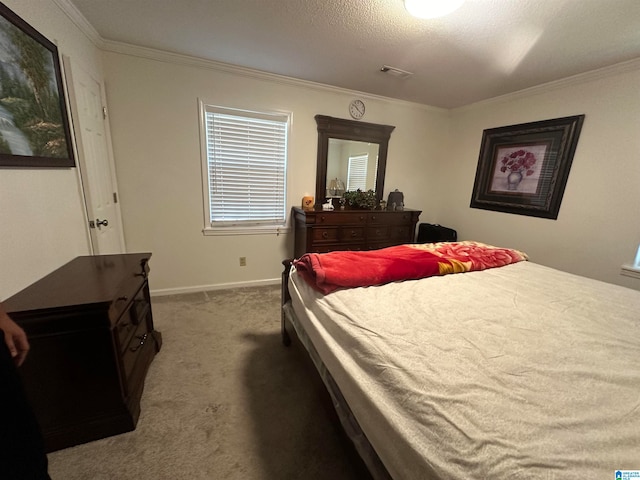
pixel 351 155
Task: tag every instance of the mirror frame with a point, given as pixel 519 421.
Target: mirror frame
pixel 331 127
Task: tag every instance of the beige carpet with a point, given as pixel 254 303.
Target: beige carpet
pixel 224 399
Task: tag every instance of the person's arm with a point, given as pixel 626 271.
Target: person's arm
pixel 14 337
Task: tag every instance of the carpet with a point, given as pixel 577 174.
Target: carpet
pixel 224 399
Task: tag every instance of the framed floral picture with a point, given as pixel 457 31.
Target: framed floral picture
pixel 34 126
pixel 523 169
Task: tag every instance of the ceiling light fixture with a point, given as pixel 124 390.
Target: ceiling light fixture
pixel 431 8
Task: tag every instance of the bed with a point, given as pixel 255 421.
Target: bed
pixel 511 371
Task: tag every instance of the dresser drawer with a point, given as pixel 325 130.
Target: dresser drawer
pixel 131 283
pixel 332 247
pixel 124 330
pixel 378 233
pixel 134 348
pixel 341 218
pixel 329 234
pixel 401 233
pixel 352 234
pixel 390 218
pixel 136 314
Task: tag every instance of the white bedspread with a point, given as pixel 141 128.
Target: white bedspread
pixel 518 372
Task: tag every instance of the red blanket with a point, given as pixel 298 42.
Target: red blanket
pixel 327 272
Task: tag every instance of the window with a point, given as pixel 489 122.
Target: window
pixel 357 172
pixel 244 166
pixel 632 270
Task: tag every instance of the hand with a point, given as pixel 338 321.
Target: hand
pixel 14 337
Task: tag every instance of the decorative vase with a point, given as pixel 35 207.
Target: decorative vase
pixel 513 180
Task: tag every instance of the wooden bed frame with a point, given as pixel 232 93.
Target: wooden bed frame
pixel 366 459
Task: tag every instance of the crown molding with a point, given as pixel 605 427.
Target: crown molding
pixel 612 70
pixel 80 21
pixel 198 62
pixel 181 59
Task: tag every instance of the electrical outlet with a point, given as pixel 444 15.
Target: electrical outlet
pixel 243 261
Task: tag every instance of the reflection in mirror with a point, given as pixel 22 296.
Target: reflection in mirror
pixel 351 155
pixel 351 165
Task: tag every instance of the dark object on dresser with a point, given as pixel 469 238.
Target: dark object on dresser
pixel 395 200
pixel 321 231
pixel 430 233
pixel 92 340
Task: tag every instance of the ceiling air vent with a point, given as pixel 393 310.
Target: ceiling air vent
pixel 395 72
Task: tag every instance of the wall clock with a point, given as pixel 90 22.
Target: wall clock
pixel 356 109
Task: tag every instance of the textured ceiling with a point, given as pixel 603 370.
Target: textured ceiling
pixel 485 49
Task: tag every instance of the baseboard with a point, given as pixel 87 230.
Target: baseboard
pixel 630 271
pixel 219 286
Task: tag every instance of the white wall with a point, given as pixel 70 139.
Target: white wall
pixel 597 229
pixel 41 210
pixel 432 159
pixel 155 132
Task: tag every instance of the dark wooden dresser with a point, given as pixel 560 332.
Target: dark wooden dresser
pixel 92 340
pixel 323 231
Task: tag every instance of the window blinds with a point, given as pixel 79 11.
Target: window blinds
pixel 357 173
pixel 246 155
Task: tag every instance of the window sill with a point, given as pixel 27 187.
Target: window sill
pixel 255 230
pixel 630 271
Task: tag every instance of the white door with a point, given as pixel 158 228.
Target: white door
pixel 95 161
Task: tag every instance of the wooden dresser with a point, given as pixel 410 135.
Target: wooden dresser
pixel 323 231
pixel 92 340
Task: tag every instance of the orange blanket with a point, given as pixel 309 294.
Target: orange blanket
pixel 327 272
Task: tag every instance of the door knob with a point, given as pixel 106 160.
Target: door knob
pixel 103 223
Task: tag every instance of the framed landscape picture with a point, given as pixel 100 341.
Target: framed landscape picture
pixel 523 169
pixel 34 126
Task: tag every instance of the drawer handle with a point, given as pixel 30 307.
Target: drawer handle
pixel 361 217
pixel 143 264
pixel 123 298
pixel 325 235
pixel 373 217
pixel 322 218
pixel 354 233
pixel 142 338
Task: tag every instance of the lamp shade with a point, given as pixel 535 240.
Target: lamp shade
pixel 431 8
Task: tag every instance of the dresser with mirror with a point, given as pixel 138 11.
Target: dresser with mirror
pixel 351 155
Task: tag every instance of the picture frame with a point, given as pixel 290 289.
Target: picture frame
pixel 523 169
pixel 34 124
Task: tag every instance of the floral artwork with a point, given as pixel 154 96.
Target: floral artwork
pixel 517 169
pixel 523 169
pixel 520 161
